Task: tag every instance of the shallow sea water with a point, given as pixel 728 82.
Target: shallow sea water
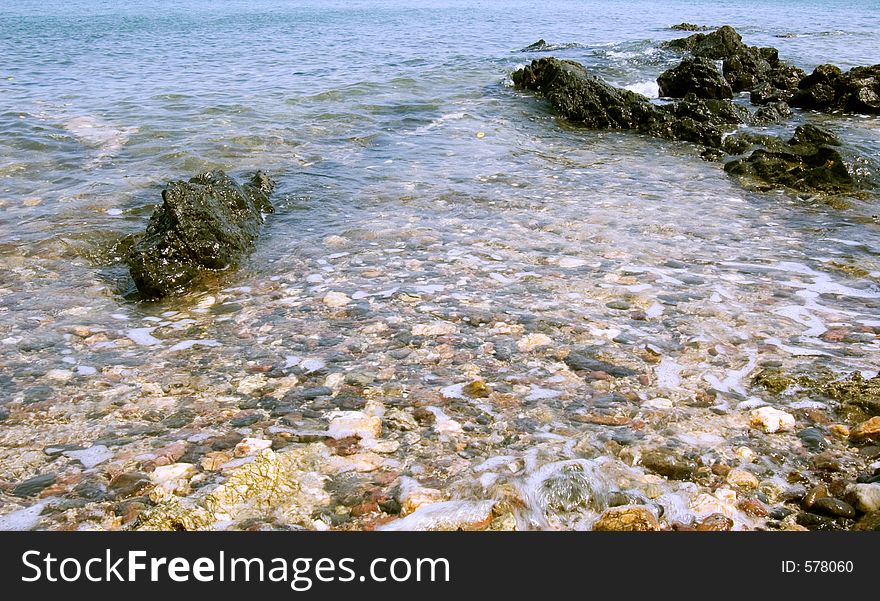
pixel 475 236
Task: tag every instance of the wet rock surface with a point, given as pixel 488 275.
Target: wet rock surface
pixel 583 98
pixel 694 75
pixel 829 89
pixel 206 224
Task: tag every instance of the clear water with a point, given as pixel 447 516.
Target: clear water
pixel 413 178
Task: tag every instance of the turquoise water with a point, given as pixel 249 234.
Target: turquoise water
pixel 415 180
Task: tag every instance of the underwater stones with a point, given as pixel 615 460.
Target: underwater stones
pixel 171 480
pixel 770 420
pixel 668 463
pixel 287 484
pixel 205 224
pixel 868 430
pixel 128 484
pixel 354 423
pixel 627 518
pixel 35 485
pixel 336 299
pixel 413 495
pixel 742 479
pixel 533 341
pixel 437 328
pixel 829 89
pixel 833 507
pixel 251 446
pixel 694 75
pixel 582 362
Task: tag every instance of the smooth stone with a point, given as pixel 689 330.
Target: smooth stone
pixel 35 485
pixel 833 507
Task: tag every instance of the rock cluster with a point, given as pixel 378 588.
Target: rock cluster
pixel 705 113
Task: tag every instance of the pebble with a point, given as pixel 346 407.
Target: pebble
pixel 413 495
pixel 865 497
pixel 59 375
pixel 128 484
pixel 438 328
pixel 354 423
pixel 868 430
pixel 619 305
pixel 627 518
pixel 251 446
pixel 89 458
pixel 251 384
pixel 717 522
pixel 668 463
pixel 170 480
pixel 33 486
pixel 336 299
pixel 742 479
pixel 834 507
pixel 771 420
pixel 533 341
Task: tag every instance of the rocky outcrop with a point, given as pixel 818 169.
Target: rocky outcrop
pixel 809 161
pixel 694 75
pixel 205 224
pixel 744 67
pixel 583 98
pixel 538 46
pixel 829 89
pixel 689 27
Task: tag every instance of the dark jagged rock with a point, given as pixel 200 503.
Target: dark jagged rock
pixel 744 67
pixel 690 27
pixel 205 224
pixel 807 162
pixel 697 75
pixel 579 96
pixel 772 113
pixel 720 44
pixel 583 98
pixel 536 47
pixel 829 89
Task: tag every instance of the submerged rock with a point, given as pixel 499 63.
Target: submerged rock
pixel 829 89
pixel 807 162
pixel 536 46
pixel 205 224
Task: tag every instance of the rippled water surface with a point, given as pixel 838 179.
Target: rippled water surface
pixel 475 237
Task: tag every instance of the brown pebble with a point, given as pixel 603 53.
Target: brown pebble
pixel 817 492
pixel 365 508
pixel 752 507
pixel 717 522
